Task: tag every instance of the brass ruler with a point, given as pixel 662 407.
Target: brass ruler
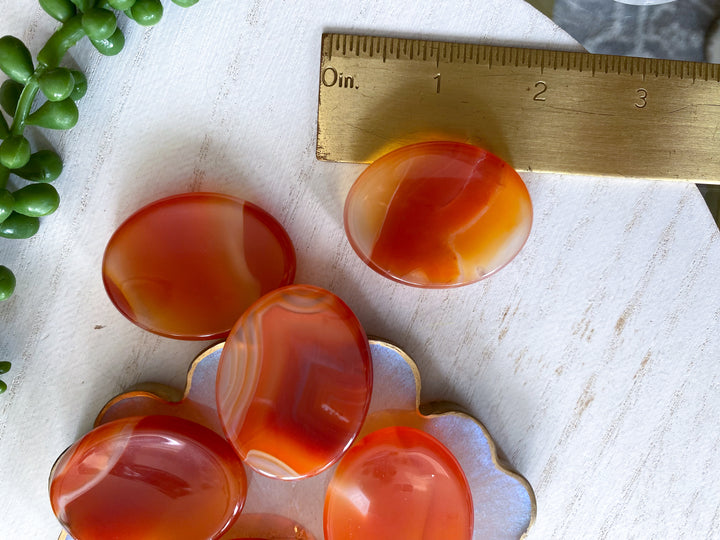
pixel 540 110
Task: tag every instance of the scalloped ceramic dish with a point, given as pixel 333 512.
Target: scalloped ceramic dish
pixel 504 502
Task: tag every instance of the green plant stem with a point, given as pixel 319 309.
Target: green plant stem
pixel 61 41
pixel 27 97
pixel 4 175
pixel 50 56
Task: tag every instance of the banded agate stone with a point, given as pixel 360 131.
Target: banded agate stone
pixel 398 483
pixel 294 382
pixel 187 266
pixel 438 214
pixel 266 527
pixel 152 477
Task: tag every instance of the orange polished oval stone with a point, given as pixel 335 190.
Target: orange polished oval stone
pixel 294 382
pixel 438 214
pixel 187 266
pixel 148 478
pixel 266 527
pixel 398 483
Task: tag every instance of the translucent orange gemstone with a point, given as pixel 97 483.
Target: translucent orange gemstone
pixel 398 483
pixel 188 266
pixel 148 478
pixel 438 214
pixel 266 527
pixel 294 382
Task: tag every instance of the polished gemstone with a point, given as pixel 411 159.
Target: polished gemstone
pixel 266 527
pixel 398 483
pixel 294 382
pixel 188 266
pixel 438 214
pixel 148 478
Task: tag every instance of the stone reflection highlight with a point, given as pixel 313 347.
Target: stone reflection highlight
pixel 294 382
pixel 398 483
pixel 438 214
pixel 148 478
pixel 188 266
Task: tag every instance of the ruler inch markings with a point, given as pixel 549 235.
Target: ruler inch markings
pixel 539 109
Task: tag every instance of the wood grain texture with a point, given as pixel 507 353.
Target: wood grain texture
pixel 592 358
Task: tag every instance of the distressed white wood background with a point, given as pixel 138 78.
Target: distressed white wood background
pixel 593 358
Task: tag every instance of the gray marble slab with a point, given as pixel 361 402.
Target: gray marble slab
pixel 675 30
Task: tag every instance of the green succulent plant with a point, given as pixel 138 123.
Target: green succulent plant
pixel 42 93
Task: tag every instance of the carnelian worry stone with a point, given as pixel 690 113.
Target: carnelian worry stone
pixel 266 527
pixel 438 214
pixel 398 483
pixel 294 382
pixel 188 266
pixel 148 478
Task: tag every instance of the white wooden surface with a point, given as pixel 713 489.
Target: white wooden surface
pixel 592 358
